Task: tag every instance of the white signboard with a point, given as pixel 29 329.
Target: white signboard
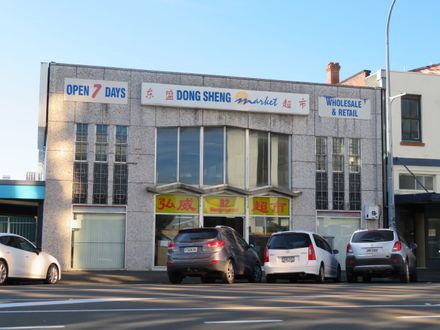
pixel 224 99
pixel 337 107
pixel 96 91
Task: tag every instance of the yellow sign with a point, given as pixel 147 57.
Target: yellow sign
pixel 223 205
pixel 179 204
pixel 269 206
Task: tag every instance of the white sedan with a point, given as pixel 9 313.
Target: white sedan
pixel 19 258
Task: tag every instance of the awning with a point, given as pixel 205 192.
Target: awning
pixel 421 198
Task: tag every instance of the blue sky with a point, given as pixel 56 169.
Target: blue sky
pixel 288 40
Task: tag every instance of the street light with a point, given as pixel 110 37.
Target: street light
pixel 390 179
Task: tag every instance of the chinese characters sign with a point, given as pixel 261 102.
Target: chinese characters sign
pixel 177 204
pixel 269 206
pixel 336 107
pixel 95 91
pixel 224 99
pixel 223 205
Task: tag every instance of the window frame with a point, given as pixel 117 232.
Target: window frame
pixel 404 119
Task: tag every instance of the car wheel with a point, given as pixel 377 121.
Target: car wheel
pixel 270 278
pixel 350 277
pixel 320 278
pixel 207 279
pixel 338 275
pixel 404 273
pixel 229 274
pixel 52 275
pixel 175 278
pixel 256 275
pixel 3 272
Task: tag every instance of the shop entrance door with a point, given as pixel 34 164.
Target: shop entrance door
pixel 236 223
pixel 433 246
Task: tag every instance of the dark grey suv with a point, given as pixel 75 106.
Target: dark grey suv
pixel 212 253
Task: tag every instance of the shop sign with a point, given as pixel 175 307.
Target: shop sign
pixel 178 204
pixel 269 206
pixel 223 205
pixel 336 107
pixel 224 99
pixel 95 91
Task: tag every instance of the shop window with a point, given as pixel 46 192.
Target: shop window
pixel 100 179
pixel 167 227
pixel 411 118
pixel 409 182
pixel 261 228
pixel 338 174
pixel 166 163
pixel 235 155
pixel 80 178
pixel 20 225
pixel 120 181
pixel 99 243
pixel 189 155
pixel 321 174
pixel 354 158
pixel 213 156
pixel 258 159
pixel 280 158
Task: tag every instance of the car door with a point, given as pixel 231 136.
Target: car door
pixel 324 255
pixel 250 257
pixel 237 250
pixel 333 262
pixel 33 261
pixel 12 256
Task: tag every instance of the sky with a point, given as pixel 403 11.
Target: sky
pixel 279 39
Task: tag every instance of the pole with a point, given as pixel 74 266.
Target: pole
pixel 390 177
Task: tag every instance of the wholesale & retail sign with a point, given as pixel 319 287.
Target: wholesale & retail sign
pixel 337 107
pixel 96 91
pixel 224 99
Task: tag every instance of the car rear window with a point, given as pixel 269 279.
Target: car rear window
pixel 289 241
pixel 373 236
pixel 195 235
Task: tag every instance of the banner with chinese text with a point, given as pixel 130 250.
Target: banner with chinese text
pixel 269 206
pixel 223 205
pixel 177 204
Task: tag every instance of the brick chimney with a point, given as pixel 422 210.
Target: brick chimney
pixel 333 73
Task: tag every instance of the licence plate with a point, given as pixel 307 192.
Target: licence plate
pixel 189 250
pixel 372 250
pixel 287 259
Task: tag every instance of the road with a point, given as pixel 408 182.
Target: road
pixel 380 305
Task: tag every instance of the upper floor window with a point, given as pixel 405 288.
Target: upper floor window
pixel 409 182
pixel 321 178
pixel 101 143
pixel 121 144
pixel 411 118
pixel 81 138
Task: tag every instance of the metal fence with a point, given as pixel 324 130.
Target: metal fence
pixel 24 226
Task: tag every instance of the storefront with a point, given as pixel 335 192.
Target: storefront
pixel 133 156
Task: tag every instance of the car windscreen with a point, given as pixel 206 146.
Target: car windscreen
pixel 289 241
pixel 373 236
pixel 195 235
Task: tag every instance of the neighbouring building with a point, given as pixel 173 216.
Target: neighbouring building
pixel 132 156
pixel 416 154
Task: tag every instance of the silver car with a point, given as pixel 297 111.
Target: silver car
pixel 380 253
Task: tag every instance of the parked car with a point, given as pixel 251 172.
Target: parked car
pixel 19 258
pixel 380 253
pixel 300 254
pixel 212 253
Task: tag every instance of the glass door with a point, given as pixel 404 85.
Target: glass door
pixel 433 246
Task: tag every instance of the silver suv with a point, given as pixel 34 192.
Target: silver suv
pixel 380 253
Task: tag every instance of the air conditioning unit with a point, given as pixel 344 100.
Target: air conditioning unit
pixel 371 212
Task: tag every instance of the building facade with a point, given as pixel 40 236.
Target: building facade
pixel 132 156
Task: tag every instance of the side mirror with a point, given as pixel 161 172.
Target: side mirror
pixel 252 245
pixel 335 251
pixel 413 246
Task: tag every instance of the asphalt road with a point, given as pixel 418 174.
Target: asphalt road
pixel 219 306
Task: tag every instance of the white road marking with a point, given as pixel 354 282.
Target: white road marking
pixel 34 327
pixel 67 302
pixel 238 308
pixel 419 317
pixel 242 321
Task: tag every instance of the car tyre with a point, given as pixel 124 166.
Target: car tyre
pixel 320 278
pixel 3 272
pixel 256 275
pixel 404 273
pixel 270 278
pixel 53 274
pixel 175 278
pixel 229 274
pixel 338 275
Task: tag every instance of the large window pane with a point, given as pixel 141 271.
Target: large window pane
pixel 213 154
pixel 166 162
pixel 411 118
pixel 189 158
pixel 280 160
pixel 235 155
pixel 258 159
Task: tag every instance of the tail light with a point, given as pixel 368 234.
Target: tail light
pixel 397 247
pixel 172 246
pixel 311 254
pixel 349 249
pixel 216 244
pixel 266 255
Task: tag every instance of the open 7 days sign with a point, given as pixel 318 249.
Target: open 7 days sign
pixel 96 91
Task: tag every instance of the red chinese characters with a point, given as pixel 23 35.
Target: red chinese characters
pixel 186 205
pixel 287 104
pixel 302 103
pixel 150 93
pixel 169 94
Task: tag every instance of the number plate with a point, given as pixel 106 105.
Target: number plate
pixel 372 250
pixel 287 259
pixel 190 250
